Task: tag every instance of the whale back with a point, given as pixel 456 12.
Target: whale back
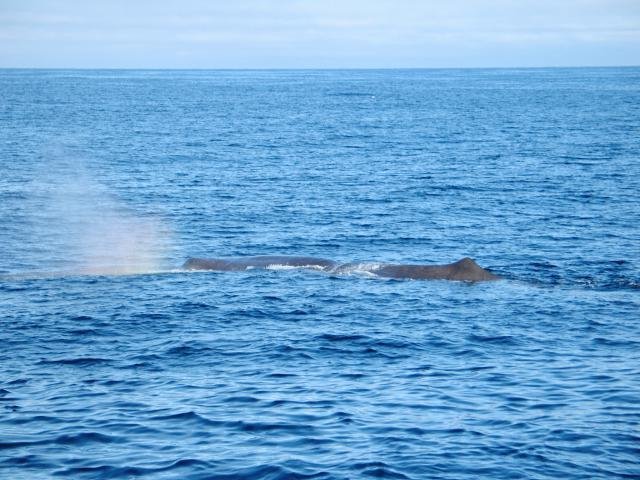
pixel 264 261
pixel 465 269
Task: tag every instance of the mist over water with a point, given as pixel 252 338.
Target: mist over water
pixel 86 228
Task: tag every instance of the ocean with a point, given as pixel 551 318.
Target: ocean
pixel 117 363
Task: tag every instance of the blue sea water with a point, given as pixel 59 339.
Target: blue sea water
pixel 115 363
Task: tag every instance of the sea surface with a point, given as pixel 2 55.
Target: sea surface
pixel 117 363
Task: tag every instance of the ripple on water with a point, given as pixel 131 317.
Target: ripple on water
pixel 300 374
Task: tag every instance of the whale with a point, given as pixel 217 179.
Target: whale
pixel 263 261
pixel 465 269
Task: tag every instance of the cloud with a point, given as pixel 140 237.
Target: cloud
pixel 344 33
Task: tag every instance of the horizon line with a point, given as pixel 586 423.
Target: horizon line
pixel 537 67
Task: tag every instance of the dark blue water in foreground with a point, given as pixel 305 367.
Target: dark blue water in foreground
pixel 114 363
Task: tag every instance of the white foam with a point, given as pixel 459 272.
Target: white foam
pixel 276 266
pixel 364 268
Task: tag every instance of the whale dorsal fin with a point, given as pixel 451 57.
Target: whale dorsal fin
pixel 467 262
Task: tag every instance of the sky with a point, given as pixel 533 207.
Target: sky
pixel 318 33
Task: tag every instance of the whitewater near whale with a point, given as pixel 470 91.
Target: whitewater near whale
pixel 465 269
